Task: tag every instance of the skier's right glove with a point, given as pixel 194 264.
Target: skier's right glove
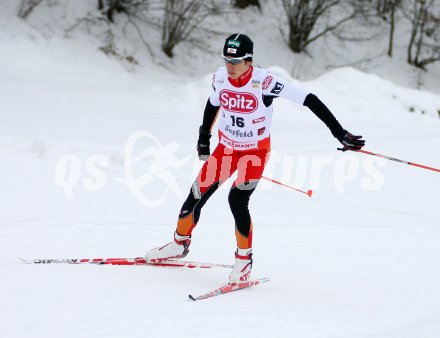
pixel 203 144
pixel 350 141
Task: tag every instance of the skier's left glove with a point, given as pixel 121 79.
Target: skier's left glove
pixel 203 144
pixel 350 141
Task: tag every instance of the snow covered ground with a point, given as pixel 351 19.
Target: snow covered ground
pixel 360 259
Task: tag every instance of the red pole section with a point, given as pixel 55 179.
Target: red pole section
pixel 308 193
pixel 397 160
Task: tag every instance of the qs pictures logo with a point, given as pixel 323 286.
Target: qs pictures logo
pixel 147 170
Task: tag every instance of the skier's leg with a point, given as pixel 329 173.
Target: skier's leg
pixel 238 199
pixel 190 212
pixel 214 172
pixel 250 170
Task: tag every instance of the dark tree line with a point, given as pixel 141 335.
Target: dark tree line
pixel 307 20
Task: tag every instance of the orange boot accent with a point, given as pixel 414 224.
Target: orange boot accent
pixel 244 242
pixel 185 225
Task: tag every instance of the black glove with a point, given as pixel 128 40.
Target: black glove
pixel 203 144
pixel 350 142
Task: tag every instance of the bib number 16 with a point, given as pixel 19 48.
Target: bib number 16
pixel 237 121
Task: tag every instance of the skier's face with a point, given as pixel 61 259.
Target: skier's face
pixel 235 70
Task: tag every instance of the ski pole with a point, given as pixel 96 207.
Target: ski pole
pixel 308 193
pixel 397 160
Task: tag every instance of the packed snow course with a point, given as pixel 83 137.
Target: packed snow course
pixel 360 259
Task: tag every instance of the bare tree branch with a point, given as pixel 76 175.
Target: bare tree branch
pixel 181 18
pixel 303 16
pixel 424 43
pixel 26 7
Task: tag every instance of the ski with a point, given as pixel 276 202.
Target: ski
pixel 126 261
pixel 229 288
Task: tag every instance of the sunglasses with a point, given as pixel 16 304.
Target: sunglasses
pixel 236 61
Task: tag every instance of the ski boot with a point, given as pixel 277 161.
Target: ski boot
pixel 178 248
pixel 242 267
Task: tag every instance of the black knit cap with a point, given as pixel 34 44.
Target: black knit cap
pixel 238 45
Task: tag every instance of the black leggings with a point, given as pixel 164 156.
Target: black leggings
pixel 238 198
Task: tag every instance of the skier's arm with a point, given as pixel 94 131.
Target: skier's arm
pixel 324 114
pixel 349 141
pixel 274 86
pixel 209 117
pixel 280 88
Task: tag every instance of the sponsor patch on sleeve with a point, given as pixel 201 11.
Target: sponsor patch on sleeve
pixel 267 81
pixel 277 88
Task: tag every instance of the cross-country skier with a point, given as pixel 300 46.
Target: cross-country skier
pixel 242 95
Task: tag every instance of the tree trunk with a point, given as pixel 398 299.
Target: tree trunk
pixel 415 23
pixel 392 26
